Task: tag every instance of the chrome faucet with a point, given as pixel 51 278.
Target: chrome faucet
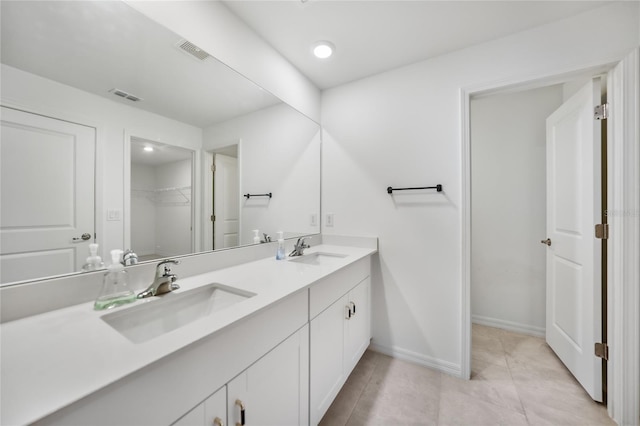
pixel 129 257
pixel 164 282
pixel 298 248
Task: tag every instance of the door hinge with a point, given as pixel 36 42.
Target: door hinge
pixel 601 112
pixel 602 351
pixel 602 231
pixel 213 218
pixel 213 168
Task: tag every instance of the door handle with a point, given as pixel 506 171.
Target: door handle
pixel 83 237
pixel 547 241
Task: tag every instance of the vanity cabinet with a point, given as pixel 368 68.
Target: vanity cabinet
pixel 339 335
pixel 212 412
pixel 278 379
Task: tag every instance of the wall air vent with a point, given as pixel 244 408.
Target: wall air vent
pixel 125 95
pixel 193 50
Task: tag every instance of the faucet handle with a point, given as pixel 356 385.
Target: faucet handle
pixel 167 266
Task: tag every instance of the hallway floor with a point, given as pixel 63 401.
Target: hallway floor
pixel 515 380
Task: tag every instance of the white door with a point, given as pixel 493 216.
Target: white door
pixel 226 202
pixel 573 258
pixel 47 195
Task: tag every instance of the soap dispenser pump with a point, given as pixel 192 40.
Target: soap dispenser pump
pixel 115 286
pixel 280 254
pixel 94 262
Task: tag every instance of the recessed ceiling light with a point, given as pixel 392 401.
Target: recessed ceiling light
pixel 148 148
pixel 323 49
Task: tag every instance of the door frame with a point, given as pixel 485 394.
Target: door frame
pixel 623 165
pixel 207 194
pixel 126 189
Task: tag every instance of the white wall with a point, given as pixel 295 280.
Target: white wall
pixel 143 209
pixel 111 120
pixel 279 153
pixel 214 28
pixel 508 208
pixel 403 128
pixel 173 213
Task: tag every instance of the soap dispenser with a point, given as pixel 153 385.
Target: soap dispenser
pixel 280 251
pixel 256 236
pixel 115 286
pixel 94 262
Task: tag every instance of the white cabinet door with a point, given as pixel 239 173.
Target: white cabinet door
pixel 212 412
pixel 327 357
pixel 274 390
pixel 47 198
pixel 339 337
pixel 357 327
pixel 215 408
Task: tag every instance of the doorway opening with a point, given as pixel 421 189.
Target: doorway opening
pixel 222 198
pixel 161 211
pixel 508 265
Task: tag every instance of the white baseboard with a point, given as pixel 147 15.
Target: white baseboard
pixel 509 325
pixel 420 359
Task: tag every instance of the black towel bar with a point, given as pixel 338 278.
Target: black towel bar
pixel 258 195
pixel 437 188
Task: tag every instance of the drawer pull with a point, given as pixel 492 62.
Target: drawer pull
pixel 218 422
pixel 348 313
pixel 353 307
pixel 241 405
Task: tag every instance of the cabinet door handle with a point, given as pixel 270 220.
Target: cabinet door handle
pixel 348 310
pixel 353 307
pixel 218 422
pixel 241 405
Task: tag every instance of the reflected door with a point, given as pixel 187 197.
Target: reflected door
pixel 47 201
pixel 573 255
pixel 226 207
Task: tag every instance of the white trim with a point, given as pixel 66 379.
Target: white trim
pixel 465 232
pixel 625 395
pixel 624 243
pixel 516 327
pixel 419 359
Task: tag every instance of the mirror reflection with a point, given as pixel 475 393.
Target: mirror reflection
pixel 121 82
pixel 161 192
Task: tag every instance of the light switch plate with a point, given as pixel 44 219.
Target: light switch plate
pixel 114 215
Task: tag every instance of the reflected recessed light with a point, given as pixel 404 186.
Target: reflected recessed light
pixel 148 148
pixel 323 49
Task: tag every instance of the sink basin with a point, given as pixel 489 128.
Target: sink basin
pixel 318 258
pixel 172 311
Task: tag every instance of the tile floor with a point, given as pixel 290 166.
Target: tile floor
pixel 515 380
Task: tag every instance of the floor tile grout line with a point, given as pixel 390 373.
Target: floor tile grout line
pixel 364 388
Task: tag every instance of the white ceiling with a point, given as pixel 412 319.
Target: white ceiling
pixel 372 36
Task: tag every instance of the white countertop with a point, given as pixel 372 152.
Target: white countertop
pixel 51 360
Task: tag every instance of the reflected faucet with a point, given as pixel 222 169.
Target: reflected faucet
pixel 164 282
pixel 298 248
pixel 129 257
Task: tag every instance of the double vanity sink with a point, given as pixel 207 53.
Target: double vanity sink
pixel 55 360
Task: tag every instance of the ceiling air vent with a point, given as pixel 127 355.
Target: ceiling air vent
pixel 193 50
pixel 125 95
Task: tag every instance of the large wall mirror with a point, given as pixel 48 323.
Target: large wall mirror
pixel 119 132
